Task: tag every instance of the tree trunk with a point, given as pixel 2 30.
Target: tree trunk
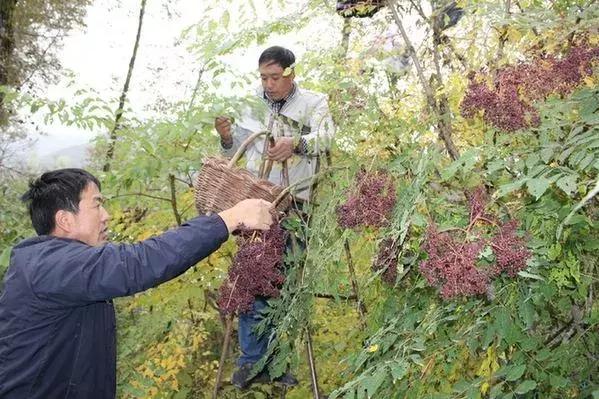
pixel 7 44
pixel 119 111
pixel 346 32
pixel 503 36
pixel 441 111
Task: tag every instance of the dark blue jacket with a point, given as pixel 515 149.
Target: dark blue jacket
pixel 57 322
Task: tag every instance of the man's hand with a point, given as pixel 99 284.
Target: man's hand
pixel 282 150
pixel 252 214
pixel 223 127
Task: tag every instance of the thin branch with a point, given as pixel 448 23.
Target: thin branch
pixel 460 57
pixel 173 199
pixel 187 183
pixel 191 101
pixel 442 112
pixel 444 124
pixel 331 296
pixel 39 35
pixel 119 111
pixel 534 30
pixel 354 284
pixel 420 10
pixel 141 195
pixel 345 34
pixel 39 61
pixel 427 89
pixel 582 203
pixel 504 33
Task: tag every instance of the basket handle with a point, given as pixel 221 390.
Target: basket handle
pixel 243 147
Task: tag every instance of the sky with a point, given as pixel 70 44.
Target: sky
pixel 96 57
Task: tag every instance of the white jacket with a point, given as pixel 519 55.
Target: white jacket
pixel 306 115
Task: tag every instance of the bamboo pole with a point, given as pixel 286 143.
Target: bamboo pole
pixel 223 355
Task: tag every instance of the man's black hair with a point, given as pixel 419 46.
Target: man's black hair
pixel 277 54
pixel 54 191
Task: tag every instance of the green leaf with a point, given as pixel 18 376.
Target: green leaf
pixel 496 165
pixel 225 19
pixel 547 154
pixel 515 372
pixel 576 219
pixel 538 186
pixel 451 170
pixel 525 274
pixel 372 383
pixel 506 189
pixel 496 390
pixel 5 257
pixel 567 184
pixel 526 386
pixel 532 160
pixel 399 370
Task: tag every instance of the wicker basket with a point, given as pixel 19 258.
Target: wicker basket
pixel 220 184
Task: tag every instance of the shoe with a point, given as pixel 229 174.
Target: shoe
pixel 287 379
pixel 241 377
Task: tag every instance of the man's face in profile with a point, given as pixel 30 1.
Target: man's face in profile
pixel 274 83
pixel 90 222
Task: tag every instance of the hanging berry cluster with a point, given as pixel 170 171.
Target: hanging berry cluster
pixel 453 256
pixel 372 202
pixel 371 205
pixel 508 104
pixel 255 270
pixel 386 260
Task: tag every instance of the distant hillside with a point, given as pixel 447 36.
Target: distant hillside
pixel 71 157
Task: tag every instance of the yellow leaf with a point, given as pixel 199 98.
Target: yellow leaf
pixel 589 81
pixel 372 348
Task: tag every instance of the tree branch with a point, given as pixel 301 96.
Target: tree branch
pixel 444 123
pixel 119 111
pixel 443 127
pixel 7 44
pixel 173 199
pixel 190 105
pixel 141 195
pixel 504 32
pixel 427 89
pixel 345 34
pixel 187 183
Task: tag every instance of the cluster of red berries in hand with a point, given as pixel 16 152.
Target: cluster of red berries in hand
pixel 453 255
pixel 255 270
pixel 387 260
pixel 508 104
pixel 372 202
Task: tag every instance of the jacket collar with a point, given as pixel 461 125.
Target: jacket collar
pixel 277 105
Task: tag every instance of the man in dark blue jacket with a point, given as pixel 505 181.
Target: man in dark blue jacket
pixel 57 321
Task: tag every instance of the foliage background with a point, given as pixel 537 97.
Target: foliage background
pixel 534 336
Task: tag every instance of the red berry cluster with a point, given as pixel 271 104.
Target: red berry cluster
pixel 371 204
pixel 387 260
pixel 510 250
pixel 508 105
pixel 255 270
pixel 453 255
pixel 451 265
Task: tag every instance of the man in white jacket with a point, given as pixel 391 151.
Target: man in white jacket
pixel 302 128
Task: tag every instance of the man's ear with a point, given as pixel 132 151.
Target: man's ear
pixel 63 220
